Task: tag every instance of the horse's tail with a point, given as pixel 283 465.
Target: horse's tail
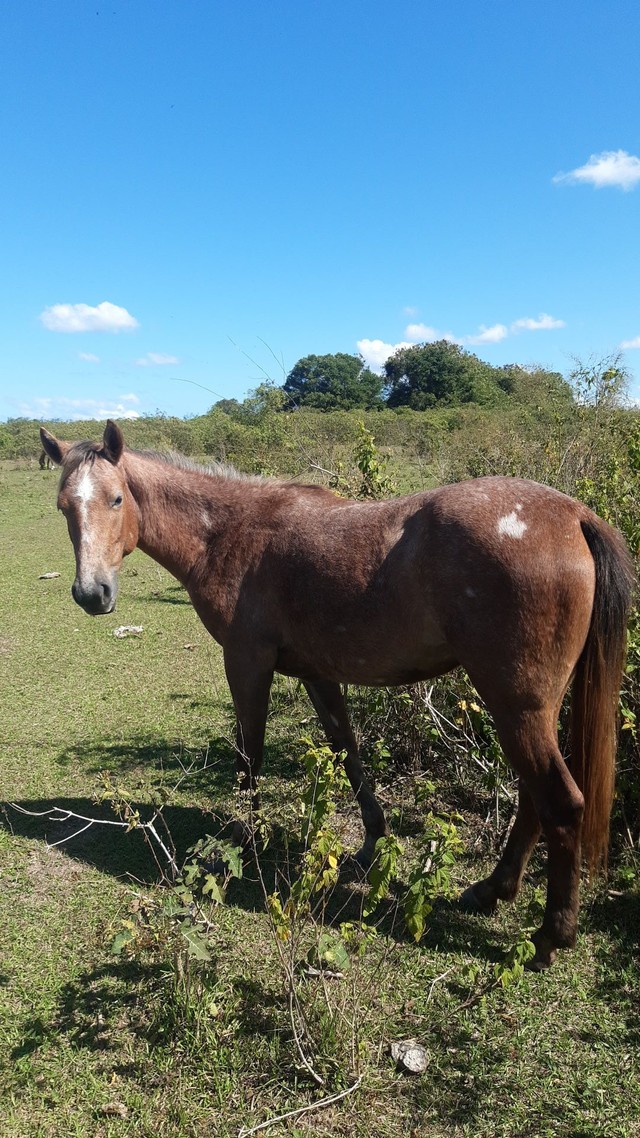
pixel 596 686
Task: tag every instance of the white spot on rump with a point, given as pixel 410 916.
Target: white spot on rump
pixel 511 525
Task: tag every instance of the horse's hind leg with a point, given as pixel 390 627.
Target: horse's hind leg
pixel 531 747
pixel 503 884
pixel 330 706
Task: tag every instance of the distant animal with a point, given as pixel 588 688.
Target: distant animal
pixel 524 587
pixel 44 461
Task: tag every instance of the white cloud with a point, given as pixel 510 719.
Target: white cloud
pixel 409 310
pixel 61 407
pixel 104 317
pixel 89 357
pixel 543 323
pixel 492 335
pixel 156 359
pixel 424 334
pixel 375 353
pixel 634 343
pixel 610 168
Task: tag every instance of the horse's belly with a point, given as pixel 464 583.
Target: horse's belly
pixel 350 663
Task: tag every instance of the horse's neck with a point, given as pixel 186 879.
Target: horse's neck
pixel 173 525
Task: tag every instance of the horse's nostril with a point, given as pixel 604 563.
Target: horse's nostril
pixel 96 597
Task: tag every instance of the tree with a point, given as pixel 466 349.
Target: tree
pixel 332 382
pixel 534 385
pixel 230 407
pixel 439 374
pixel 258 404
pixel 601 382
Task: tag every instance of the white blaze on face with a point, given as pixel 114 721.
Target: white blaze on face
pixel 84 492
pixel 510 525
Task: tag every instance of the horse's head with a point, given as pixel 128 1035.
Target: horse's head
pixel 101 514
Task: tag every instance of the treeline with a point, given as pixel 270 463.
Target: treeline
pixel 420 377
pixel 521 421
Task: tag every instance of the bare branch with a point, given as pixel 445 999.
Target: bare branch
pixel 244 1132
pixel 60 814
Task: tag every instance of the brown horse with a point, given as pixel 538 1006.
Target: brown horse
pixel 525 588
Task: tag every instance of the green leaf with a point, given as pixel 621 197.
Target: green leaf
pixel 122 940
pixel 331 951
pixel 213 889
pixel 232 856
pixel 196 944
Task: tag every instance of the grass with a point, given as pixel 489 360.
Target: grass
pixel 96 1045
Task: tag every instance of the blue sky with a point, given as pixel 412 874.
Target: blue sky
pixel 203 191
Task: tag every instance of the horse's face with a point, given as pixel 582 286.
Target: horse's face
pixel 101 515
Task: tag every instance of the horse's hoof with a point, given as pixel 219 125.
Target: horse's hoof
pixel 545 954
pixel 537 964
pixel 471 902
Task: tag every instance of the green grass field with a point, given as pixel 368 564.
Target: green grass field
pixel 98 1045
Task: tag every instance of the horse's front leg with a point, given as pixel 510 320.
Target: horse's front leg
pixel 249 675
pixel 328 701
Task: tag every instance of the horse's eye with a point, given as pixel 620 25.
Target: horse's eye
pixel 117 501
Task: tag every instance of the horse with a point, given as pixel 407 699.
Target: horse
pixel 524 587
pixel 44 460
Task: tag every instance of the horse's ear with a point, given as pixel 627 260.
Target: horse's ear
pixel 55 448
pixel 113 442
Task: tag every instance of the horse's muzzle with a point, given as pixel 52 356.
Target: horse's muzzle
pixel 97 599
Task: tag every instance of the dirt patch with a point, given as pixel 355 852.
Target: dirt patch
pixel 51 872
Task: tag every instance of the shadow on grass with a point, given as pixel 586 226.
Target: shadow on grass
pixel 210 766
pixel 90 1006
pixel 101 1006
pixel 126 854
pixel 618 980
pixel 151 754
pixel 113 850
pixel 172 595
pixel 210 777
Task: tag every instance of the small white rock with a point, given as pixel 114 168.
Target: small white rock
pixel 410 1056
pixel 127 630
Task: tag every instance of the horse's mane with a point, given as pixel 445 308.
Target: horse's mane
pixel 212 469
pixel 225 471
pixel 86 452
